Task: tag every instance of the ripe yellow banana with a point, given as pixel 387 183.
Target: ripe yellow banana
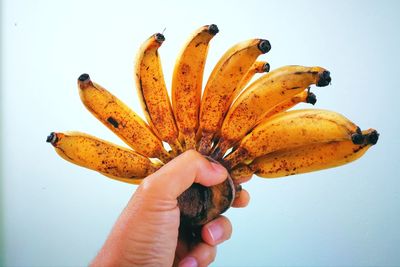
pixel 293 129
pixel 257 67
pixel 187 83
pixel 307 158
pixel 119 118
pixel 222 86
pixel 262 95
pixel 306 97
pixel 153 92
pixel 109 159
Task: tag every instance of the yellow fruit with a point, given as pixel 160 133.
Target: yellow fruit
pixel 222 86
pixel 153 92
pixel 309 158
pixel 305 96
pixel 120 119
pixel 187 82
pixel 293 129
pixel 265 93
pixel 93 153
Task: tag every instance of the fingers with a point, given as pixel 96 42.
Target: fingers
pixel 201 255
pixel 212 233
pixel 216 231
pixel 180 173
pixel 242 200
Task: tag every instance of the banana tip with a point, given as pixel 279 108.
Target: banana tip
pixel 84 77
pixel 160 38
pixel 324 79
pixel 52 138
pixel 372 137
pixel 266 67
pixel 84 81
pixel 311 98
pixel 357 138
pixel 213 29
pixel 264 46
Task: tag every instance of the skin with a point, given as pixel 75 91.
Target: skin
pixel 146 233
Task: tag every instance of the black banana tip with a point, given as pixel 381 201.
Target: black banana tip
pixel 159 37
pixel 52 138
pixel 213 29
pixel 357 138
pixel 266 67
pixel 372 137
pixel 324 79
pixel 84 77
pixel 311 98
pixel 264 46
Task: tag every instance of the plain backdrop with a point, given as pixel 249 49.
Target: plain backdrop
pixel 58 214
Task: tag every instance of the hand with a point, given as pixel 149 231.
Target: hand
pixel 146 233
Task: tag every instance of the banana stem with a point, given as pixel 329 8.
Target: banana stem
pixel 220 149
pixel 205 143
pixel 190 141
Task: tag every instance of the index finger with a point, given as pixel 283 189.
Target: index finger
pixel 180 173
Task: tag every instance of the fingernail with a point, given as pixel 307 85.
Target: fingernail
pixel 218 167
pixel 216 231
pixel 188 262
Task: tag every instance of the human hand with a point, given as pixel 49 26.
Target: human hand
pixel 146 233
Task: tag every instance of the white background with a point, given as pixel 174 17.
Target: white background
pixel 57 214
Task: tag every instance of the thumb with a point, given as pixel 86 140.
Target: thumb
pixel 180 173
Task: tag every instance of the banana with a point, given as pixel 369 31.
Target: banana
pixel 293 129
pixel 187 81
pixel 305 97
pixel 222 86
pixel 109 159
pixel 120 119
pixel 153 92
pixel 257 67
pixel 307 158
pixel 262 95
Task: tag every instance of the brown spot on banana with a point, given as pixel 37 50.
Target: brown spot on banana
pixel 113 122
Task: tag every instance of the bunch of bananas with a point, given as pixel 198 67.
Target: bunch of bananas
pixel 247 128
